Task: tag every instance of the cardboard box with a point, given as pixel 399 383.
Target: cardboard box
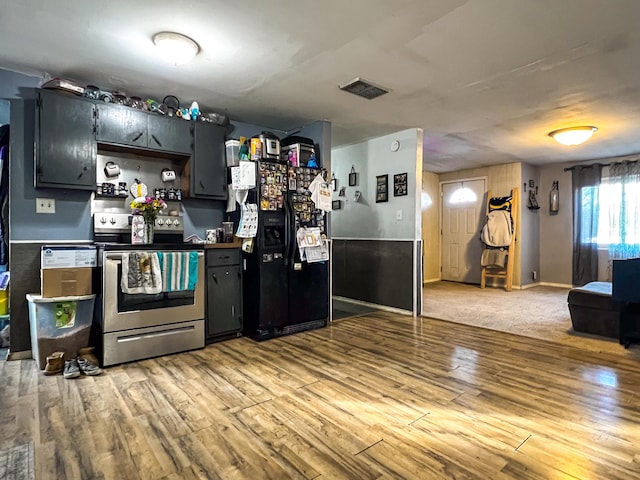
pixel 66 282
pixel 68 256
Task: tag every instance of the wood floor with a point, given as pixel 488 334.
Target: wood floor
pixel 377 396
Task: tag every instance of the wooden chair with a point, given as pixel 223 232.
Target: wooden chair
pixel 505 272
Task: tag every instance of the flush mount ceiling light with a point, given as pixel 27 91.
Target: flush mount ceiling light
pixel 573 135
pixel 175 48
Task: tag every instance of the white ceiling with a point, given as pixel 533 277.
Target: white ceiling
pixel 485 79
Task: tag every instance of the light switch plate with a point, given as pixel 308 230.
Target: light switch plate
pixel 45 205
pixel 399 215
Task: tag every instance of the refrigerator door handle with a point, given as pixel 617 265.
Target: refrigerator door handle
pixel 287 231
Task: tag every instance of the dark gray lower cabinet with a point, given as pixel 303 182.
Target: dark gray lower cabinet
pixel 224 293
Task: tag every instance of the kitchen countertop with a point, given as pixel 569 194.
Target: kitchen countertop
pixel 236 244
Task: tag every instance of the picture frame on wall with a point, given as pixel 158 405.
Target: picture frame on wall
pixel 336 205
pixel 382 188
pixel 400 184
pixel 353 177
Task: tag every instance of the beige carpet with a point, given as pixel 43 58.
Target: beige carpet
pixel 538 312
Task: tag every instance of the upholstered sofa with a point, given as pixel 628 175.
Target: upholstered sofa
pixel 594 311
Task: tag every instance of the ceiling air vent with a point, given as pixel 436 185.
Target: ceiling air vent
pixel 363 89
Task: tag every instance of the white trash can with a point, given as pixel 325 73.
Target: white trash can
pixel 59 324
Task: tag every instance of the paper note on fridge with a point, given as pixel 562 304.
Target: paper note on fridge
pixel 243 177
pixel 248 226
pixel 309 237
pixel 321 193
pixel 248 174
pixel 312 247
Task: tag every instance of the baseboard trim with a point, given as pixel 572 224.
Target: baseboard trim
pixel 23 355
pixel 430 280
pixel 374 305
pixel 559 285
pixel 529 285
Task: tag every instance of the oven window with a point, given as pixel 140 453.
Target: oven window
pixel 128 302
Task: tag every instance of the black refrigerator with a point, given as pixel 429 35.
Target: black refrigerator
pixel 282 294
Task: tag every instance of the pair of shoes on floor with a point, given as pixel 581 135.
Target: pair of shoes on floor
pixel 86 363
pixel 55 363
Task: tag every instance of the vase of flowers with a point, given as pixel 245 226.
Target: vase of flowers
pixel 149 208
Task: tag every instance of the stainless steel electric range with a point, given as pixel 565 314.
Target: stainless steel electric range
pixel 137 326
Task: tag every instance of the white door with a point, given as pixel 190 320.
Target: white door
pixel 462 220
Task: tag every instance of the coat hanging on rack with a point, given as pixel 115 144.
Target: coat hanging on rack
pixel 499 237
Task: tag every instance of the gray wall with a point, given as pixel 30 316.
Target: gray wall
pixel 529 228
pixel 4 112
pixel 13 83
pixel 72 220
pixel 556 231
pixel 366 218
pixel 376 257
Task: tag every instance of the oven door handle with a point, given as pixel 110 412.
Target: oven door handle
pixel 117 256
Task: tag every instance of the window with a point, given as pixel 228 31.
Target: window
pixel 618 220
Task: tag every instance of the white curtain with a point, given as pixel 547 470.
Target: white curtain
pixel 623 207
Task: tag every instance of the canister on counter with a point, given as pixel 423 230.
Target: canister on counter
pixel 256 149
pixel 122 188
pixel 171 194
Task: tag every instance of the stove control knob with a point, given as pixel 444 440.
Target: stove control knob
pixel 176 223
pixel 160 222
pixel 112 221
pixel 103 220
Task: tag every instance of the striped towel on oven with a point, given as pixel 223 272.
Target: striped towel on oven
pixel 179 270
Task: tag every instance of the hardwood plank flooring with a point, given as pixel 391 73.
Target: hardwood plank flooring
pixel 371 397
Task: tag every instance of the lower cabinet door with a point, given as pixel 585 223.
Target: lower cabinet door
pixel 223 301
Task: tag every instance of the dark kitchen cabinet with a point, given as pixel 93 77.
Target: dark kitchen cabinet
pixel 224 293
pixel 65 142
pixel 122 125
pixel 207 175
pixel 169 134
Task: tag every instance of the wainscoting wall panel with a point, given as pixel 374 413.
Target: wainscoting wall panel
pixel 24 259
pixel 375 271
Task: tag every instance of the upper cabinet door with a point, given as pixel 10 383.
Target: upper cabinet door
pixel 121 125
pixel 169 134
pixel 65 143
pixel 209 174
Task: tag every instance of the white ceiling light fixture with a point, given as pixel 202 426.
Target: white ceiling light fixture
pixel 175 48
pixel 573 135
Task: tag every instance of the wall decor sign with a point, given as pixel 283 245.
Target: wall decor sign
pixel 334 182
pixel 343 192
pixel 399 184
pixel 382 188
pixel 336 205
pixel 353 177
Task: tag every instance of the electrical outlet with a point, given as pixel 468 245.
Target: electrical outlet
pixel 399 215
pixel 45 205
pixel 534 275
